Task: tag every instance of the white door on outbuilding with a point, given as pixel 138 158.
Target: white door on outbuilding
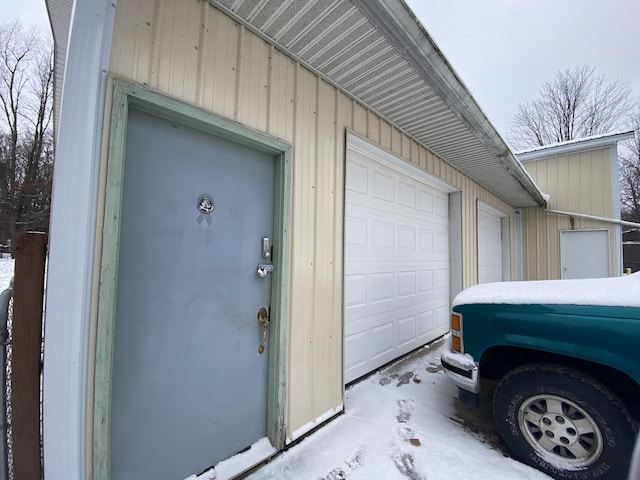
pixel 584 254
pixel 396 258
pixel 493 245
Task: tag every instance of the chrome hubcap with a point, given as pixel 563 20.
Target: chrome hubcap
pixel 559 429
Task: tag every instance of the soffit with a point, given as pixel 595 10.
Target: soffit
pixel 379 53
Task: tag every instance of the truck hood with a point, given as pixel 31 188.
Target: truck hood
pixel 617 291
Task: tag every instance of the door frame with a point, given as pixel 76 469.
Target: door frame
pixel 124 96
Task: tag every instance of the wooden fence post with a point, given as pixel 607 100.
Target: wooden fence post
pixel 26 338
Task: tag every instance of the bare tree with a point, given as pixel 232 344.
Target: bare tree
pixel 630 174
pixel 577 103
pixel 26 141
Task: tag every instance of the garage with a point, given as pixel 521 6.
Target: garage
pixel 491 245
pixel 396 258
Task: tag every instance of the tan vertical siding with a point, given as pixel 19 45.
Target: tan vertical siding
pixel 281 95
pixel 253 81
pixel 324 318
pixel 373 127
pixel 194 52
pixel 219 75
pixel 385 135
pixel 302 347
pixel 360 123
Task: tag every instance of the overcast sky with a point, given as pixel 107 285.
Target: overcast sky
pixel 504 50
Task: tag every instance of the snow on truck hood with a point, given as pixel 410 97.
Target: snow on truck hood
pixel 616 291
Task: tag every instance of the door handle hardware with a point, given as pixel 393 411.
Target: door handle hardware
pixel 263 320
pixel 264 270
pixel 266 248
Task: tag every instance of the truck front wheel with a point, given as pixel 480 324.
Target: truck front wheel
pixel 560 420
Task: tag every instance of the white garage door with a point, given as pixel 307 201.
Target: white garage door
pixel 396 261
pixel 489 245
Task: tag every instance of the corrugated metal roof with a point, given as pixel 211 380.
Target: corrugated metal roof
pixel 379 53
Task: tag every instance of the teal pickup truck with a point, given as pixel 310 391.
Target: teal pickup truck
pixel 567 357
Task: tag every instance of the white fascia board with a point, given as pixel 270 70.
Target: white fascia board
pixel 573 146
pixel 72 238
pixel 402 29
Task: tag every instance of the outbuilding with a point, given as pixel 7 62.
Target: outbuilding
pixel 579 234
pixel 255 202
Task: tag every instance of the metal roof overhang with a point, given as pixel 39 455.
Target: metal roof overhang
pixel 377 52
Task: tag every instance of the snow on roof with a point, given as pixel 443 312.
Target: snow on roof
pixel 572 146
pixel 616 291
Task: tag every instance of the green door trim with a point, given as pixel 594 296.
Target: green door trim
pixel 125 95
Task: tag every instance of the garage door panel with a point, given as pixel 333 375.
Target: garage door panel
pixel 425 201
pixel 442 206
pixel 390 264
pixel 406 330
pixel 426 324
pixel 379 283
pixel 372 316
pixel 364 205
pixel 407 237
pixel 489 246
pixel 354 348
pixel 355 290
pixel 405 284
pixel 383 187
pixel 382 287
pixel 442 279
pixel 357 175
pixel 396 264
pixel 399 287
pixel 425 241
pixel 406 195
pixel 355 232
pixel 382 235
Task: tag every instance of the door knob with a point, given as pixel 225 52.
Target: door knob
pixel 264 270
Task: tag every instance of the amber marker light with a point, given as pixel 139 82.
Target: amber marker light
pixel 455 322
pixel 456 343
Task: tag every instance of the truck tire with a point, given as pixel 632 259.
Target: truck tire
pixel 564 422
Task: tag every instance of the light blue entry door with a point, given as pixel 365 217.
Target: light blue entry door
pixel 189 386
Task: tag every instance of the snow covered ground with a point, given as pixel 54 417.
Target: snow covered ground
pixel 401 423
pixel 6 272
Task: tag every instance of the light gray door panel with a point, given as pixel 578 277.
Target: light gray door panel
pixel 189 388
pixel 584 254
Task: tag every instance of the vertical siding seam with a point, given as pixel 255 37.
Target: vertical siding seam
pixel 155 57
pixel 269 88
pixel 201 46
pixel 316 270
pixel 338 243
pixel 294 260
pixel 239 72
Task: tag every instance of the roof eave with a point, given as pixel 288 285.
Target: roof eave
pixel 574 146
pixel 398 23
pixel 403 31
pixel 59 12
